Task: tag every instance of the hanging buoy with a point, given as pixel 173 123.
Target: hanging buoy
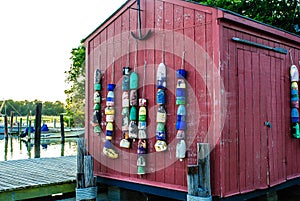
pixel 296 130
pixel 161 115
pixel 294 73
pixel 142 146
pixel 97 97
pixel 111 87
pixel 294 86
pixel 295 115
pixel 133 114
pixel 133 97
pixel 125 119
pixel 160 146
pixel 142 125
pixel 96 106
pixel 141 161
pixel 125 99
pixel 109 151
pixel 180 149
pixel 142 113
pixel 161 76
pixel 134 81
pixel 124 143
pixel 160 97
pixel 97 80
pixel 125 83
pixel 160 132
pixel 110 99
pixel 133 130
pixel 180 135
pixel 126 70
pixel 142 134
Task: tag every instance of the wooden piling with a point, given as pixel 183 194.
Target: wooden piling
pixel 5 127
pixel 193 179
pixel 11 121
pixel 86 181
pixel 5 148
pixel 20 126
pixel 199 176
pixel 80 162
pixel 62 128
pixel 37 137
pixel 29 129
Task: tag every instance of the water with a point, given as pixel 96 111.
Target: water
pixel 15 148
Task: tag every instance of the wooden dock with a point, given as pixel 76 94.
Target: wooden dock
pixel 38 177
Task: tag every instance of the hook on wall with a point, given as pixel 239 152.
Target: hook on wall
pixel 140 35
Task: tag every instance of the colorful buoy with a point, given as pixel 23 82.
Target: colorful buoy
pixel 125 143
pixel 96 118
pixel 181 113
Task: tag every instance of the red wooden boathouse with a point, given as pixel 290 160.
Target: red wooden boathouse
pixel 238 97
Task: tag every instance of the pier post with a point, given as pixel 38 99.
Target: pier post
pixel 5 127
pixel 37 137
pixel 199 176
pixel 29 129
pixel 80 162
pixel 62 128
pixel 11 121
pixel 86 181
pixel 20 126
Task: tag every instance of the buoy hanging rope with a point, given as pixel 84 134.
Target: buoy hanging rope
pixel 125 142
pixel 108 148
pixel 96 119
pixel 294 77
pixel 181 111
pixel 133 86
pixel 142 135
pixel 161 116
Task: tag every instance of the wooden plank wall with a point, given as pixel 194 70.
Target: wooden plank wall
pixel 183 20
pixel 257 85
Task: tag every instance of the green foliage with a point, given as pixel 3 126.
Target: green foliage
pixel 278 13
pixel 22 108
pixel 76 81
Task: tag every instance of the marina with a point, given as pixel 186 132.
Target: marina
pixel 15 148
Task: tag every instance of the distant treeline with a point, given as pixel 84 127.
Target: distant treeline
pixel 22 108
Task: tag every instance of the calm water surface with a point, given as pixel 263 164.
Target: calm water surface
pixel 15 148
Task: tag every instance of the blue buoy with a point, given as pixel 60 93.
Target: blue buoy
pixel 160 97
pixel 111 87
pixel 181 73
pixel 295 115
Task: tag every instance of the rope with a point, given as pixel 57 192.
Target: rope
pixel 144 78
pixel 86 193
pixel 128 51
pixel 291 56
pixel 99 59
pixel 113 71
pixel 163 48
pixel 135 57
pixel 182 61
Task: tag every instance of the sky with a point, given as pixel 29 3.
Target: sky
pixel 37 37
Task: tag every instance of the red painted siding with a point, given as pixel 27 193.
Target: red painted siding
pixel 232 90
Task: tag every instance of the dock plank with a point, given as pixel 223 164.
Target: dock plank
pixel 20 176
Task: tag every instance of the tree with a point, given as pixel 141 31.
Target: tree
pixel 279 13
pixel 22 108
pixel 76 81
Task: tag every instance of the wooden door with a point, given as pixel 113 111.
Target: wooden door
pixel 260 101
